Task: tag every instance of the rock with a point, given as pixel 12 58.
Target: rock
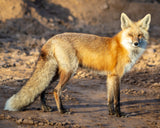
pixel 2 116
pixel 52 123
pixel 36 122
pixel 28 121
pixel 70 18
pixel 142 92
pixel 47 121
pixel 40 123
pixel 8 117
pixel 2 63
pixel 19 121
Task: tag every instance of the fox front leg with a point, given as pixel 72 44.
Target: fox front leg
pixel 113 91
pixel 117 101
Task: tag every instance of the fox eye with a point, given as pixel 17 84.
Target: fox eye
pixel 140 35
pixel 131 35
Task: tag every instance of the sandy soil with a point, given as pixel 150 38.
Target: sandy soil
pixel 85 94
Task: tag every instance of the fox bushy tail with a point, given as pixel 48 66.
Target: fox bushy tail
pixel 45 70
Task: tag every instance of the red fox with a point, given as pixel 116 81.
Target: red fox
pixel 62 54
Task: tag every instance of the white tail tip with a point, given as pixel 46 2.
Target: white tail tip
pixel 9 105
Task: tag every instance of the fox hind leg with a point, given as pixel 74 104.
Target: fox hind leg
pixel 64 77
pixel 44 106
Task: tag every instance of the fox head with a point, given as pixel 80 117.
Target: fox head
pixel 135 34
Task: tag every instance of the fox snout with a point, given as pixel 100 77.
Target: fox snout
pixel 136 44
pixel 139 43
pixel 136 41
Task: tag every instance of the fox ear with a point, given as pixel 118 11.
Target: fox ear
pixel 145 22
pixel 125 21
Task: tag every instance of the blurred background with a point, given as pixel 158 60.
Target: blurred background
pixel 45 18
pixel 25 25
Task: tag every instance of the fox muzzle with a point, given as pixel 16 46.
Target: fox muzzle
pixel 136 44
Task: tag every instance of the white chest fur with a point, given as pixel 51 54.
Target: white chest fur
pixel 134 56
pixel 134 52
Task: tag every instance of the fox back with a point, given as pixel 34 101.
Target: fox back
pixel 112 55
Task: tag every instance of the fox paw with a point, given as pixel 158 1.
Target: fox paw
pixel 62 111
pixel 118 114
pixel 46 108
pixel 111 113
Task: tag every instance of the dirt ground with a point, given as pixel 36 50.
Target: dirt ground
pixel 23 33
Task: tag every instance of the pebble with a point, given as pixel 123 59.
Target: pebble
pixel 2 63
pixel 36 122
pixel 19 121
pixel 50 20
pixel 47 121
pixel 142 92
pixel 2 116
pixel 8 117
pixel 43 40
pixel 28 117
pixel 52 123
pixel 70 18
pixel 28 121
pixel 105 6
pixel 40 123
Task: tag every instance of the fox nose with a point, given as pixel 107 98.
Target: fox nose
pixel 135 43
